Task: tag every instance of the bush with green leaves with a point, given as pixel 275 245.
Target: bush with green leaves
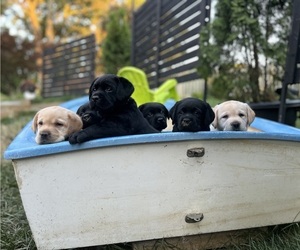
pixel 244 49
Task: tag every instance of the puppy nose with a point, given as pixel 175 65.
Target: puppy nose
pixel 235 124
pixel 160 119
pixel 44 134
pixel 95 98
pixel 186 121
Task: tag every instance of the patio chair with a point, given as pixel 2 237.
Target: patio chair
pixel 142 92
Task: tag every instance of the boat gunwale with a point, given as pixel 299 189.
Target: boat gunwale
pixel 14 151
pixel 24 145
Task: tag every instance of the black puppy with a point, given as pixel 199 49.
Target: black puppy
pixel 88 115
pixel 109 95
pixel 156 114
pixel 191 115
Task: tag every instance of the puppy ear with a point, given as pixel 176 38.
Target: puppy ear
pixel 91 87
pixel 141 107
pixel 167 114
pixel 209 115
pixel 250 114
pixel 215 121
pixel 124 89
pixel 75 123
pixel 172 112
pixel 34 122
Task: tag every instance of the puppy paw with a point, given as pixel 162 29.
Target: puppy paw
pixel 78 137
pixel 73 138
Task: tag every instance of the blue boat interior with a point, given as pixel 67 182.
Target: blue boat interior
pixel 24 145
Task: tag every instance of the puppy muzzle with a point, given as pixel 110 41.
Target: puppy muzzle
pixel 235 126
pixel 161 120
pixel 45 135
pixel 94 101
pixel 186 122
pixel 92 104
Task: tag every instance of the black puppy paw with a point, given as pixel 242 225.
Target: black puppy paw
pixel 78 137
pixel 73 138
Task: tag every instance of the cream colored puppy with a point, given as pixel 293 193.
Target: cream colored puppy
pixel 232 116
pixel 55 124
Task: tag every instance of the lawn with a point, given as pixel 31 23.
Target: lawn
pixel 15 231
pixel 16 234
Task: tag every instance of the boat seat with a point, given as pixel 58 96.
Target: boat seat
pixel 142 92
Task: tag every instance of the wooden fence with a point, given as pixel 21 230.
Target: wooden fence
pixel 165 38
pixel 68 69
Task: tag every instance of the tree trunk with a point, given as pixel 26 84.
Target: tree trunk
pixel 254 75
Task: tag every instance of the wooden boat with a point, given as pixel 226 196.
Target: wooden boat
pixel 143 187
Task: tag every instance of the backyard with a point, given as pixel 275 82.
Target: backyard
pixel 248 68
pixel 15 231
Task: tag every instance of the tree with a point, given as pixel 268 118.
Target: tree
pixel 17 62
pixel 116 46
pixel 49 22
pixel 242 47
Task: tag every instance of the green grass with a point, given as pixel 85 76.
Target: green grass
pixel 283 237
pixel 15 231
pixel 16 234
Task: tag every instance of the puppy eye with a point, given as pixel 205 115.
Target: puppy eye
pixel 241 115
pixel 149 114
pixel 40 123
pixel 108 89
pixel 94 89
pixel 59 124
pixel 224 117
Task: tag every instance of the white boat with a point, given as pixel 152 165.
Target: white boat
pixel 144 187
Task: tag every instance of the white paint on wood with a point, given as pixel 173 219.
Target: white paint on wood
pixel 141 192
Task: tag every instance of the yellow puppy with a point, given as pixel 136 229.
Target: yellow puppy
pixel 232 116
pixel 55 124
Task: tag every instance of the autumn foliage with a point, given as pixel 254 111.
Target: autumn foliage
pixel 48 23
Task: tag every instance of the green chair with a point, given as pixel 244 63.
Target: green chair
pixel 142 93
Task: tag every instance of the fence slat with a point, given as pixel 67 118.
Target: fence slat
pixel 68 69
pixel 174 51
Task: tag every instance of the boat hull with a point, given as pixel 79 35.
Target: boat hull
pixel 142 191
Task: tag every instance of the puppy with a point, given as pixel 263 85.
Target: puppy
pixel 55 124
pixel 191 115
pixel 88 115
pixel 156 114
pixel 109 95
pixel 233 116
